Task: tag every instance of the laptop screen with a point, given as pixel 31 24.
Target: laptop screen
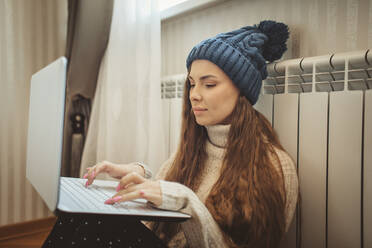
pixel 45 130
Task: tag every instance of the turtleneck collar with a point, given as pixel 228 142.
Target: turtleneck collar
pixel 218 134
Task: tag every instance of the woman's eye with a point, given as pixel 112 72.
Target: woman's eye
pixel 210 85
pixel 192 85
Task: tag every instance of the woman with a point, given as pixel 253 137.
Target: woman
pixel 230 172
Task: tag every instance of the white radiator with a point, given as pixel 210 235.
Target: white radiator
pixel 171 94
pixel 321 108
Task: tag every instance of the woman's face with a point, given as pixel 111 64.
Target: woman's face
pixel 213 95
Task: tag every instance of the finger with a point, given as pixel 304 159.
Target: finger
pixel 126 197
pixel 147 191
pixel 131 178
pixel 86 174
pixel 151 196
pixel 100 168
pixel 148 195
pixel 129 189
pixel 93 172
pixel 90 176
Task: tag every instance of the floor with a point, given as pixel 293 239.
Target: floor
pixel 28 241
pixel 24 236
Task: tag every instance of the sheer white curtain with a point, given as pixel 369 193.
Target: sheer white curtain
pixel 126 120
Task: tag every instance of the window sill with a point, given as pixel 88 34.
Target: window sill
pixel 186 7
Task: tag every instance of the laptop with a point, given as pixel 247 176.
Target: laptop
pixel 44 157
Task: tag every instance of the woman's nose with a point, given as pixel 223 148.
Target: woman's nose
pixel 195 94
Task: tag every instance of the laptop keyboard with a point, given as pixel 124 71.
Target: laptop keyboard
pixel 75 197
pixel 91 198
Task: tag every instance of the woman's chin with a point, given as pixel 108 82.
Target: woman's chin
pixel 203 122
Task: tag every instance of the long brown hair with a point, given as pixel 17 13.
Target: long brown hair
pixel 248 199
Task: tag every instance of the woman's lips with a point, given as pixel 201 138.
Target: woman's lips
pixel 199 111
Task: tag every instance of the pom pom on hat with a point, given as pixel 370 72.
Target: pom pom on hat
pixel 277 34
pixel 242 54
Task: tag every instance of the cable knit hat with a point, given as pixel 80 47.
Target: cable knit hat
pixel 242 54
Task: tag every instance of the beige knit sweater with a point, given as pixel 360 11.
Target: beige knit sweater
pixel 201 230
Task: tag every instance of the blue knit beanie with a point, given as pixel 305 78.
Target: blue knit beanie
pixel 242 54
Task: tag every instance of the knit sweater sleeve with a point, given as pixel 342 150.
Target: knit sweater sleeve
pixel 290 183
pixel 201 230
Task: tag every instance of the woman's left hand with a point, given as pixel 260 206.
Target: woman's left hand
pixel 134 186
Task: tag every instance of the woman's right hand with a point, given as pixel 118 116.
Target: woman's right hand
pixel 114 170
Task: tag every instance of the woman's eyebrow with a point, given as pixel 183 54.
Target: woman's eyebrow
pixel 204 77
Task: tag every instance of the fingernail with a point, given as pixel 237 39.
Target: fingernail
pixel 109 201
pixel 85 176
pixel 142 193
pixel 86 184
pixel 115 199
pixel 118 187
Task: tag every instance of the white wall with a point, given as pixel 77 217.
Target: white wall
pixel 33 34
pixel 317 27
